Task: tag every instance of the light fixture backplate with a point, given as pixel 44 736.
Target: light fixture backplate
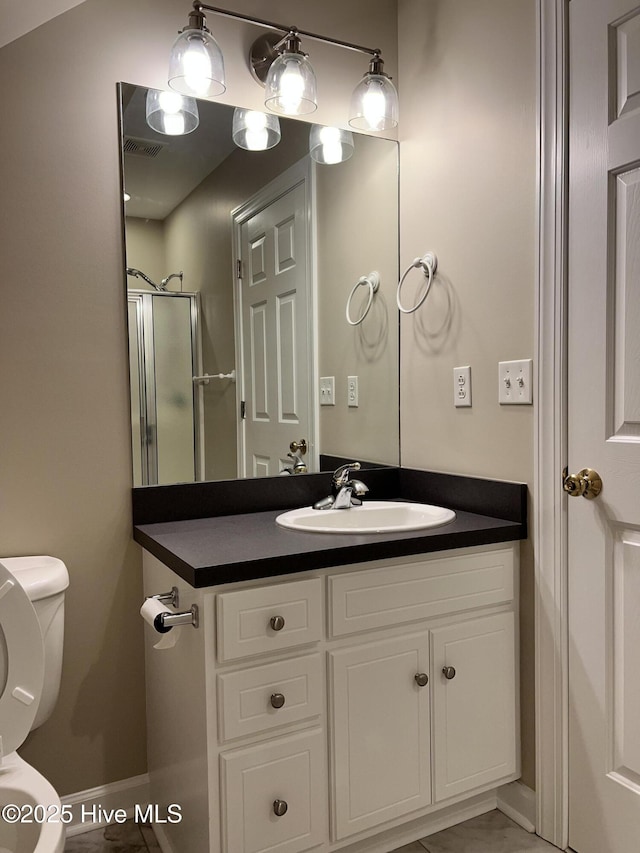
pixel 262 55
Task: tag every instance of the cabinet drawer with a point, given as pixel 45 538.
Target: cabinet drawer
pixel 360 601
pixel 246 698
pixel 289 770
pixel 268 618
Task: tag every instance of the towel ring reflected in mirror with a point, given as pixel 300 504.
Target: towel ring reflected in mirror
pixel 372 281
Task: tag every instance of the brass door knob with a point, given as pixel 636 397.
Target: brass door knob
pixel 299 446
pixel 449 672
pixel 277 623
pixel 422 679
pixel 586 483
pixel 277 700
pixel 280 807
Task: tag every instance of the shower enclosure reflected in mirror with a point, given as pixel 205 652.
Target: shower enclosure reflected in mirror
pixel 239 267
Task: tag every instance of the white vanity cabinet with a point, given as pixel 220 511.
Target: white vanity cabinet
pixel 349 708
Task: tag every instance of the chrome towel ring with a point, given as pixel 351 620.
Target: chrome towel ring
pixel 429 264
pixel 372 281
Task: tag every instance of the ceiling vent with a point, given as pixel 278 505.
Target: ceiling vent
pixel 143 147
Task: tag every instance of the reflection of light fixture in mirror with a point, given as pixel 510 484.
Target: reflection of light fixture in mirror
pixel 171 113
pixel 290 87
pixel 255 131
pixel 126 196
pixel 196 66
pixel 374 103
pixel 330 145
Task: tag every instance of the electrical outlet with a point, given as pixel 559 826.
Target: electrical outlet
pixel 461 386
pixel 327 390
pixel 352 391
pixel 515 382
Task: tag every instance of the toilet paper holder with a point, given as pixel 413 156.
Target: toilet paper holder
pixel 164 622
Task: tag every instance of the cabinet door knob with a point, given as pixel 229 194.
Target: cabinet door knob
pixel 277 623
pixel 421 679
pixel 449 672
pixel 279 807
pixel 277 700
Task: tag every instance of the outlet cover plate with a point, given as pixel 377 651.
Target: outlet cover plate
pixel 461 386
pixel 515 382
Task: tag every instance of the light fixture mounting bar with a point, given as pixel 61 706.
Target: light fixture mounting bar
pixel 204 7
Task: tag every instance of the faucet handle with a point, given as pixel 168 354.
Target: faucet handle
pixel 341 474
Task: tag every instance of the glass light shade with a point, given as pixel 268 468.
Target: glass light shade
pixel 290 87
pixel 330 145
pixel 255 131
pixel 171 113
pixel 374 103
pixel 196 66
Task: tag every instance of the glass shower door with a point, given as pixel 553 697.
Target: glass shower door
pixel 163 358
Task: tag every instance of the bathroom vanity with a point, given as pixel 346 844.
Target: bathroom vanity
pixel 329 700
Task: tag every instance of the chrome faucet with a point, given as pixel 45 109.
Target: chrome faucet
pixel 345 492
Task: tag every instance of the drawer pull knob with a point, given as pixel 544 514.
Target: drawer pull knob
pixel 277 700
pixel 279 807
pixel 449 672
pixel 277 623
pixel 422 679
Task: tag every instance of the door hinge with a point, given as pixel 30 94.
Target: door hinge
pixel 243 410
pixel 239 268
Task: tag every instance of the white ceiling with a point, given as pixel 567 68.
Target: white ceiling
pixel 19 17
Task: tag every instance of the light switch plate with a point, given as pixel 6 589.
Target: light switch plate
pixel 461 386
pixel 515 380
pixel 327 390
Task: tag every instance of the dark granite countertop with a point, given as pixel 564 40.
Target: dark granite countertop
pixel 220 547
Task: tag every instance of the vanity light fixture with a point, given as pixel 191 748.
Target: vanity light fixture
pixel 330 145
pixel 374 103
pixel 290 87
pixel 255 131
pixel 171 113
pixel 196 65
pixel 196 68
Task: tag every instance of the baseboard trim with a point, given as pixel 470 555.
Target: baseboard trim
pixel 518 802
pixel 94 807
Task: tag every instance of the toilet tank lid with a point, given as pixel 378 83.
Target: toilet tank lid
pixel 40 577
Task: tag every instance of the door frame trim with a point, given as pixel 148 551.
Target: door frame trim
pixel 550 438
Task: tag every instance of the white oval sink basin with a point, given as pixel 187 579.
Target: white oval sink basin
pixel 371 517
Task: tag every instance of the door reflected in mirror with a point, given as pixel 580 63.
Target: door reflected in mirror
pixel 240 264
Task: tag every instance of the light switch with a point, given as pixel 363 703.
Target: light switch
pixel 327 390
pixel 515 380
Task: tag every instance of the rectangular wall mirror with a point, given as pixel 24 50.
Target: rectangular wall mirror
pixel 244 267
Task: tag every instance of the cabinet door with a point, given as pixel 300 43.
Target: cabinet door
pixel 381 760
pixel 274 795
pixel 474 709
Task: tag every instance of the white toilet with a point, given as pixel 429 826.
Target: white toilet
pixel 31 634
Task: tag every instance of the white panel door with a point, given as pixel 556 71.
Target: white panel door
pixel 277 352
pixel 381 756
pixel 604 426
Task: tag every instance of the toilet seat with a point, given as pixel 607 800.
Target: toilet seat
pixel 25 663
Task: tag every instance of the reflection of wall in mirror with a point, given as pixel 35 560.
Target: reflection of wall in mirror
pixel 357 205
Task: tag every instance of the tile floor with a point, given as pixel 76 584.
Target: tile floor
pixel 127 837
pixel 489 833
